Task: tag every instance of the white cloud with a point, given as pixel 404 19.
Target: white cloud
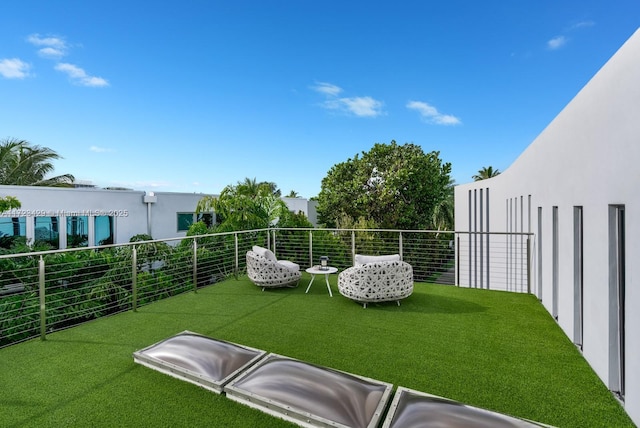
pixel 53 47
pixel 446 119
pixel 582 24
pixel 94 81
pixel 72 71
pixel 327 89
pixel 51 53
pixel 79 76
pixel 357 106
pixel 97 149
pixel 557 42
pixel 431 114
pixel 560 41
pixel 13 68
pixel 53 42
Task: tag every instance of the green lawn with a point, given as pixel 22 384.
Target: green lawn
pixel 496 350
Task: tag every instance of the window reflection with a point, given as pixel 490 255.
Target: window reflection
pixel 185 220
pixel 207 218
pixel 104 230
pixel 10 229
pixel 46 231
pixel 77 231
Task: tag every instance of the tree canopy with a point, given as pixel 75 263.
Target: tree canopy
pixel 9 202
pixel 486 172
pixel 24 164
pixel 250 205
pixel 395 186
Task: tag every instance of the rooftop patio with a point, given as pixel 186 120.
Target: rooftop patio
pixel 497 350
pixel 483 347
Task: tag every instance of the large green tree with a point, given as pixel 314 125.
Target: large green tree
pixel 246 205
pixel 24 164
pixel 395 186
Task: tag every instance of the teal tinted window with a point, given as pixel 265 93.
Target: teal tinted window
pixel 10 229
pixel 47 231
pixel 104 230
pixel 184 221
pixel 13 226
pixel 77 231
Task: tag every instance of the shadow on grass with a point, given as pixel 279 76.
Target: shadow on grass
pixel 422 302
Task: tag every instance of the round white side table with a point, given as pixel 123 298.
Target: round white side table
pixel 315 270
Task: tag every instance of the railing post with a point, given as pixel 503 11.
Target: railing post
pixel 195 265
pixel 235 240
pixel 43 308
pixel 353 247
pixel 400 245
pixel 529 264
pixel 134 278
pixel 273 237
pixel 310 248
pixel 458 261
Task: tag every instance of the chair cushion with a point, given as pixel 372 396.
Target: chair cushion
pixel 362 259
pixel 264 252
pixel 289 265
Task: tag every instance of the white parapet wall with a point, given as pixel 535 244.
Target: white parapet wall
pixel 575 188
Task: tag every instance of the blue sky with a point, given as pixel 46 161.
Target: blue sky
pixel 190 96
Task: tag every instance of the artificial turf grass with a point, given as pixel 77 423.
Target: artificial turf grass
pixel 86 377
pixel 496 350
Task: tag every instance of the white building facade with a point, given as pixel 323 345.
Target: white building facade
pixel 575 190
pixel 77 217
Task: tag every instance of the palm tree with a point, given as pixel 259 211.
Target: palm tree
pixel 443 213
pixel 247 205
pixel 486 172
pixel 251 188
pixel 29 165
pixel 293 194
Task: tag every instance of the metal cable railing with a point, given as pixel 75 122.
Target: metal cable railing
pixel 46 291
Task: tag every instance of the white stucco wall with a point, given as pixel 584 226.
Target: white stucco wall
pixel 588 156
pixel 164 212
pixel 303 205
pixel 127 207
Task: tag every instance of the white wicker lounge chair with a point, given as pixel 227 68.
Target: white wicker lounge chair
pixel 377 279
pixel 266 271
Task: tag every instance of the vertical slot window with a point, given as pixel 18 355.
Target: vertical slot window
pixel 578 263
pixel 617 305
pixel 539 253
pixel 555 261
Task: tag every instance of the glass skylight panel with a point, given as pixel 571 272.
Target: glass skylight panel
pixel 198 359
